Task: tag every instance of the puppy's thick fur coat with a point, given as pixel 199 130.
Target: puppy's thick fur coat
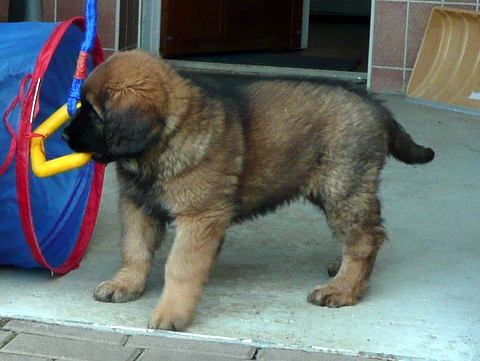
pixel 203 159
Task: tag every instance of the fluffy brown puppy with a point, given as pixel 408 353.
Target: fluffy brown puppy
pixel 203 159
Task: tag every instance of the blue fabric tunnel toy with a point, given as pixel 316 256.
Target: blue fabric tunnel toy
pixel 44 222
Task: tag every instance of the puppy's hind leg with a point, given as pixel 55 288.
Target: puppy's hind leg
pixel 142 234
pixel 334 267
pixel 354 216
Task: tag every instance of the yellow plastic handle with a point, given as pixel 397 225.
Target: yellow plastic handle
pixel 40 166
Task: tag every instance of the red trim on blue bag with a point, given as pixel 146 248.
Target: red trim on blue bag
pixel 88 223
pixel 23 160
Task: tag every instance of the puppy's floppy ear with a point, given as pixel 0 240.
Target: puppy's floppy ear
pixel 130 130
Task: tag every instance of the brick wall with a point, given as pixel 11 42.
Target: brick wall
pixel 58 10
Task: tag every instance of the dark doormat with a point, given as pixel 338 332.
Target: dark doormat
pixel 280 60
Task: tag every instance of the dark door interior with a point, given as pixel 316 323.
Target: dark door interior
pixel 212 26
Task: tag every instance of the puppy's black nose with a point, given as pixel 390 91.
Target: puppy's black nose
pixel 65 136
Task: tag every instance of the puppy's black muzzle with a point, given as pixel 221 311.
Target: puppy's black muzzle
pixel 84 134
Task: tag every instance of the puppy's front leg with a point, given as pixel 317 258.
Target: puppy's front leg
pixel 193 253
pixel 142 235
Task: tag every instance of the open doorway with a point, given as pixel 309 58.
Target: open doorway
pixel 338 39
pixel 340 36
pixel 340 29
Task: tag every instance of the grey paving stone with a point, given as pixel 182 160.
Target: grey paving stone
pixel 67 349
pixel 204 347
pixel 5 336
pixel 275 354
pixel 157 354
pixel 10 357
pixel 76 333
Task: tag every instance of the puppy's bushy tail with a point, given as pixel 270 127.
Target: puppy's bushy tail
pixel 402 147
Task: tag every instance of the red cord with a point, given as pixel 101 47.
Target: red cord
pixel 81 71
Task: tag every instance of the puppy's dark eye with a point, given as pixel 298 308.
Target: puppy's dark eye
pixel 88 109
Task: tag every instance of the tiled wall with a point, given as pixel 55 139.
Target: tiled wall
pixel 398 28
pixel 58 10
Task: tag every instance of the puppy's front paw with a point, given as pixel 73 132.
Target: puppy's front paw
pixel 332 296
pixel 171 316
pixel 111 291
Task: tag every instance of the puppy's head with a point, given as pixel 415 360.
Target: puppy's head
pixel 123 108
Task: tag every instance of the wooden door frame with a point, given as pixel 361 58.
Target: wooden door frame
pixel 150 25
pixel 149 39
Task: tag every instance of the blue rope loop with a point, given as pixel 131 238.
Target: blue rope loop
pixel 91 27
pixel 74 96
pixel 91 15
